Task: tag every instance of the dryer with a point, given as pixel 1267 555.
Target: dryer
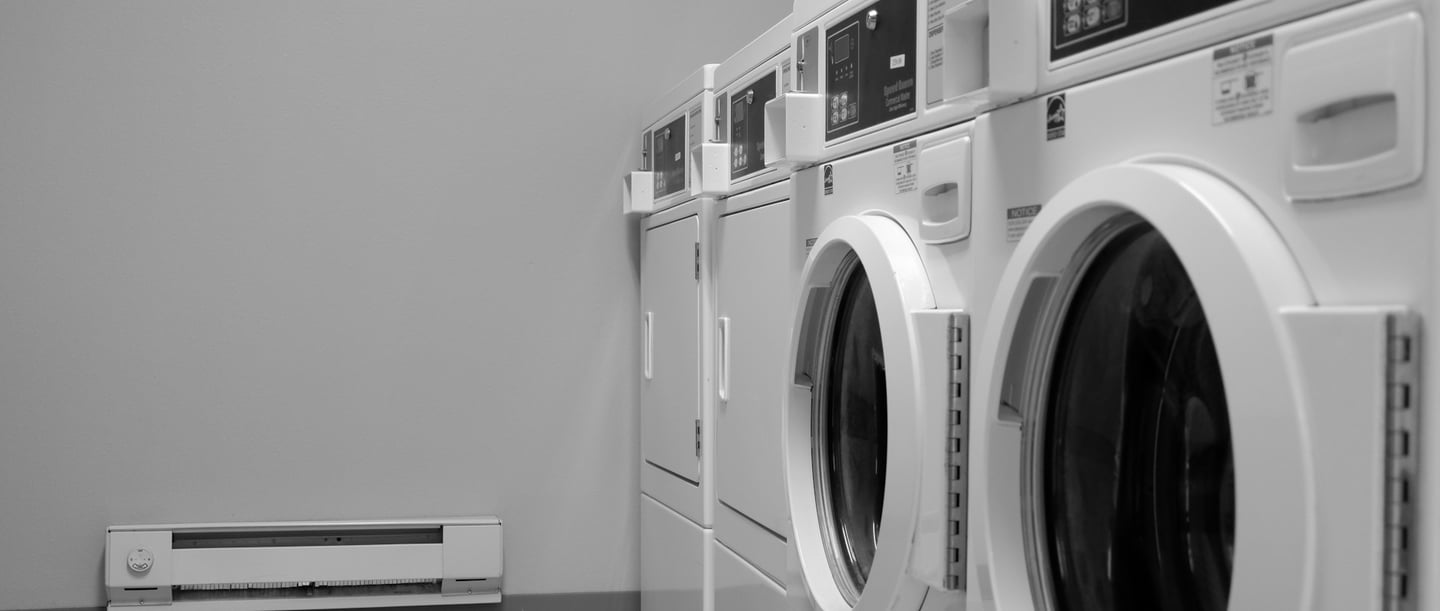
pixel 754 267
pixel 676 470
pixel 1202 383
pixel 891 297
pixel 871 72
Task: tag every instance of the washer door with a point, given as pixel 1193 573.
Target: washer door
pixel 851 426
pixel 1146 441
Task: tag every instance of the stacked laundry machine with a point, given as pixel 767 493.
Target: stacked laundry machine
pixel 676 474
pixel 1070 305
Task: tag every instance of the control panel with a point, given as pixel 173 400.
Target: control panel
pixel 747 126
pixel 1081 25
pixel 870 67
pixel 668 157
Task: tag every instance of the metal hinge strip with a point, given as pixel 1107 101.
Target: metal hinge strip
pixel 959 446
pixel 1402 386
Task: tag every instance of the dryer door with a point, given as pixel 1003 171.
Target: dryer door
pixel 853 418
pixel 1148 395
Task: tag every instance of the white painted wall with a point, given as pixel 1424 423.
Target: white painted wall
pixel 326 260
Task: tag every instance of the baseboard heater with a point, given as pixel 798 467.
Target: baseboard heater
pixel 305 565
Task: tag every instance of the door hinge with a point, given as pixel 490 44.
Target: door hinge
pixel 1402 400
pixel 697 260
pixel 697 438
pixel 959 449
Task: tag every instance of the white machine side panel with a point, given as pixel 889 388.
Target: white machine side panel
pixel 672 560
pixel 753 290
pixel 670 302
pixel 740 587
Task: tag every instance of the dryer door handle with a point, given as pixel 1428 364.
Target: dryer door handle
pixel 647 357
pixel 722 382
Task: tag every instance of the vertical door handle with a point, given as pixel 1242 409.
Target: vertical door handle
pixel 722 384
pixel 648 357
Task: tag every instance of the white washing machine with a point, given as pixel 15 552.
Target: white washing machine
pixel 1202 383
pixel 676 471
pixel 872 72
pixel 892 295
pixel 754 268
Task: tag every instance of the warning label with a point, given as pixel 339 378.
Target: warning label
pixel 1017 220
pixel 1243 80
pixel 907 167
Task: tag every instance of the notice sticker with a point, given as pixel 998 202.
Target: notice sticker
pixel 907 167
pixel 1242 80
pixel 897 61
pixel 1017 220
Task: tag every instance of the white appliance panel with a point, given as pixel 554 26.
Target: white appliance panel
pixel 740 587
pixel 672 560
pixel 670 310
pixel 753 287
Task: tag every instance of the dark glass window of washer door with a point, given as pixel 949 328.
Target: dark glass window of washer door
pixel 856 428
pixel 1138 474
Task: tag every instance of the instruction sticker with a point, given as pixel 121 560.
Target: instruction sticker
pixel 934 50
pixel 1243 80
pixel 907 167
pixel 1017 220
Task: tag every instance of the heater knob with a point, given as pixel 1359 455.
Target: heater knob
pixel 140 560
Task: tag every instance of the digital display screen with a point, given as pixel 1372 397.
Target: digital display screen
pixel 841 50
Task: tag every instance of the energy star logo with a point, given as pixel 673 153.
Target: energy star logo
pixel 1055 117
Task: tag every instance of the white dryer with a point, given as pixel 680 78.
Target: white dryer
pixel 1202 384
pixel 872 72
pixel 754 267
pixel 891 297
pixel 676 473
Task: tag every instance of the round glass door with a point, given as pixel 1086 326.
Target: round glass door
pixel 1135 474
pixel 850 431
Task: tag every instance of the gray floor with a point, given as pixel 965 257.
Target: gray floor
pixel 602 601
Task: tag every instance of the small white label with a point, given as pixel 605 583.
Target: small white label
pixel 934 50
pixel 897 61
pixel 907 167
pixel 1017 220
pixel 1242 80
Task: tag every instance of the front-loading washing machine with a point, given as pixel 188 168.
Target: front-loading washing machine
pixel 1203 382
pixel 891 297
pixel 872 72
pixel 676 470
